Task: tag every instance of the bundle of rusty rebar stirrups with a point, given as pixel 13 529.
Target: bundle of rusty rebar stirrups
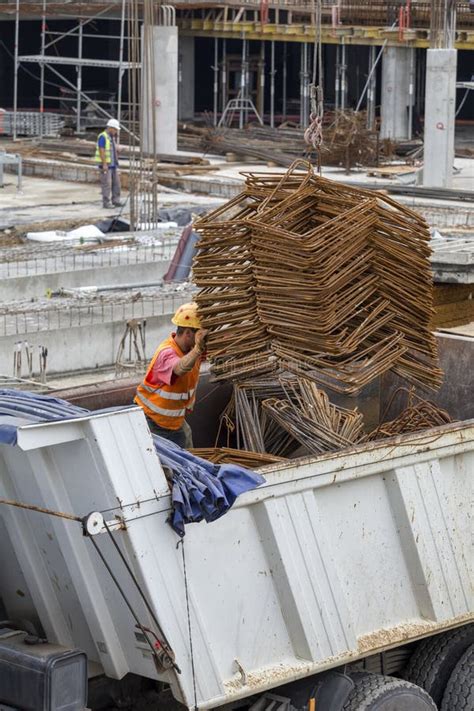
pixel 306 275
pixel 418 414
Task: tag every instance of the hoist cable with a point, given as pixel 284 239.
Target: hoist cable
pixel 313 135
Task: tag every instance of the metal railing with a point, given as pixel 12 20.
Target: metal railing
pixel 343 12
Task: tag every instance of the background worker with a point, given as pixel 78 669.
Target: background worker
pixel 169 387
pixel 107 161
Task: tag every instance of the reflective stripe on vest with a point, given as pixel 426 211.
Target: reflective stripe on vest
pixel 165 404
pixel 108 149
pixel 160 410
pixel 169 395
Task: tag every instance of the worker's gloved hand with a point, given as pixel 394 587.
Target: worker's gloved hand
pixel 201 340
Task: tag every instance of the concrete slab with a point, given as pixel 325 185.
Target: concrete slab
pixel 452 261
pixel 43 200
pixel 33 269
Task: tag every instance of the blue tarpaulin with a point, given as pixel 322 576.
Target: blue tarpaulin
pixel 18 407
pixel 201 490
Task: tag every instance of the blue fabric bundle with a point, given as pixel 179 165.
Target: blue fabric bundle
pixel 201 489
pixel 19 408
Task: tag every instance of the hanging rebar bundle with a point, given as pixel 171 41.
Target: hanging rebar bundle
pixel 303 274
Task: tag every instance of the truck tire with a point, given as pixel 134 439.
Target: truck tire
pixel 433 661
pixel 459 692
pixel 373 692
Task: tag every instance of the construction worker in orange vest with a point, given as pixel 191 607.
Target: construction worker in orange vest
pixel 169 388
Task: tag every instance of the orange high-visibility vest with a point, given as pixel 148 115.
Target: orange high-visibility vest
pixel 167 404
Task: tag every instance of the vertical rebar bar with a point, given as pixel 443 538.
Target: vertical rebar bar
pixel 304 85
pixel 215 86
pixel 15 80
pixel 42 67
pixel 272 84
pixel 343 77
pixel 261 81
pixel 224 75
pixel 371 90
pixel 120 69
pixel 79 78
pixel 301 84
pixel 284 80
pixel 243 88
pixel 411 92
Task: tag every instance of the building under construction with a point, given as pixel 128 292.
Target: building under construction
pixel 377 92
pixel 231 63
pixel 236 347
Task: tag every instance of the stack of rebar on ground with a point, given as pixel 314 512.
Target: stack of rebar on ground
pixel 347 141
pixel 306 275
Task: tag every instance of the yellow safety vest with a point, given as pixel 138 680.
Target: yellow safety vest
pixel 108 149
pixel 167 404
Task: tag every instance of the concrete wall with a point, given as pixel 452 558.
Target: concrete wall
pixel 36 285
pixel 81 348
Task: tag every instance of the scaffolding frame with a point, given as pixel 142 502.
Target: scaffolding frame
pixel 52 62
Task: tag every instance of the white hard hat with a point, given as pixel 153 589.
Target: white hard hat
pixel 113 123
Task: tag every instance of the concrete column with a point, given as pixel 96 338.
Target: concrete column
pixel 440 108
pixel 186 79
pixel 159 105
pixel 397 92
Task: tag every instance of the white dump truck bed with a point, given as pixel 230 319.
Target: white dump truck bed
pixel 334 558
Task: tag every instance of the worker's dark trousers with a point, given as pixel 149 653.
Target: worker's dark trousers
pixel 183 437
pixel 110 185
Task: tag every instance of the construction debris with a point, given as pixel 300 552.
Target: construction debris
pixel 308 415
pixel 252 427
pixel 419 415
pixel 347 141
pixel 307 275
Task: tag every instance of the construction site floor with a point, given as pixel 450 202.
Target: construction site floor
pixel 462 180
pixel 44 200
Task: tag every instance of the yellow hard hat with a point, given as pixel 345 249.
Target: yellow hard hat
pixel 187 316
